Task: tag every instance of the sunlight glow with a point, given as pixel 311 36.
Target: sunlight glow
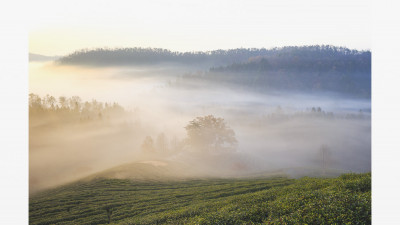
pixel 63 27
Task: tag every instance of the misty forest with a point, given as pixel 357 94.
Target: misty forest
pixel 240 136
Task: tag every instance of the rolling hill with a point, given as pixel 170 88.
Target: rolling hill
pixel 274 200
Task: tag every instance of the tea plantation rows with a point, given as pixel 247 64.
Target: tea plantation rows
pixel 278 200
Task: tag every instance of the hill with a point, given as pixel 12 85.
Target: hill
pixel 149 170
pixel 278 200
pixel 299 69
pixel 302 69
pixel 306 70
pixel 256 77
pixel 153 56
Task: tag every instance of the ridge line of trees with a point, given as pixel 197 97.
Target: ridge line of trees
pixel 72 108
pixel 148 56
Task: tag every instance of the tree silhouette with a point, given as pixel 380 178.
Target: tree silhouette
pixel 63 101
pixel 148 145
pixel 72 109
pixel 209 133
pixel 35 102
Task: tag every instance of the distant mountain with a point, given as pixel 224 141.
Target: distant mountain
pixel 36 57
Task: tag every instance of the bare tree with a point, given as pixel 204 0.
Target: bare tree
pixel 50 101
pixel 63 102
pixel 75 103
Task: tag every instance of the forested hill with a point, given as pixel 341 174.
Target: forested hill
pixel 306 59
pixel 311 69
pixel 302 69
pixel 308 69
pixel 150 56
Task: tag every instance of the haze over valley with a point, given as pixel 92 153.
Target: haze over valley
pixel 126 113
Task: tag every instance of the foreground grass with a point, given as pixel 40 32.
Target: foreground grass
pixel 342 200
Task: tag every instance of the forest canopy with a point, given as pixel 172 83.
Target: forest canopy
pixel 305 69
pixel 151 56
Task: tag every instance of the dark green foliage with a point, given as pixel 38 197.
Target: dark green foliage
pixel 342 200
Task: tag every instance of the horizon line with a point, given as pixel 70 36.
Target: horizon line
pixel 126 47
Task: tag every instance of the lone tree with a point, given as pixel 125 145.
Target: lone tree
pixel 210 134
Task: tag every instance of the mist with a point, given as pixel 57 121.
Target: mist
pixel 276 131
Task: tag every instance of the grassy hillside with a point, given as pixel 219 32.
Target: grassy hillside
pixel 278 200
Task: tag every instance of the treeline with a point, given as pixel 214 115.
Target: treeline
pixel 306 59
pixel 279 115
pixel 317 68
pixel 161 145
pixel 309 69
pixel 204 134
pixel 357 85
pixel 149 56
pixel 72 108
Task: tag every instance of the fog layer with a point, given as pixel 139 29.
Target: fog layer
pixel 279 131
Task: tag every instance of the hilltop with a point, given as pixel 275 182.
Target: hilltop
pixel 152 56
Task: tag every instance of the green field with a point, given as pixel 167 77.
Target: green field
pixel 277 200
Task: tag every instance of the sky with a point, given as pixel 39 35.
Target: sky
pixel 61 27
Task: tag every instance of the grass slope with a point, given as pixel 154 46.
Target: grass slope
pixel 279 200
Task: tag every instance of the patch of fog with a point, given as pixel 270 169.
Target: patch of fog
pixel 274 132
pixel 154 163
